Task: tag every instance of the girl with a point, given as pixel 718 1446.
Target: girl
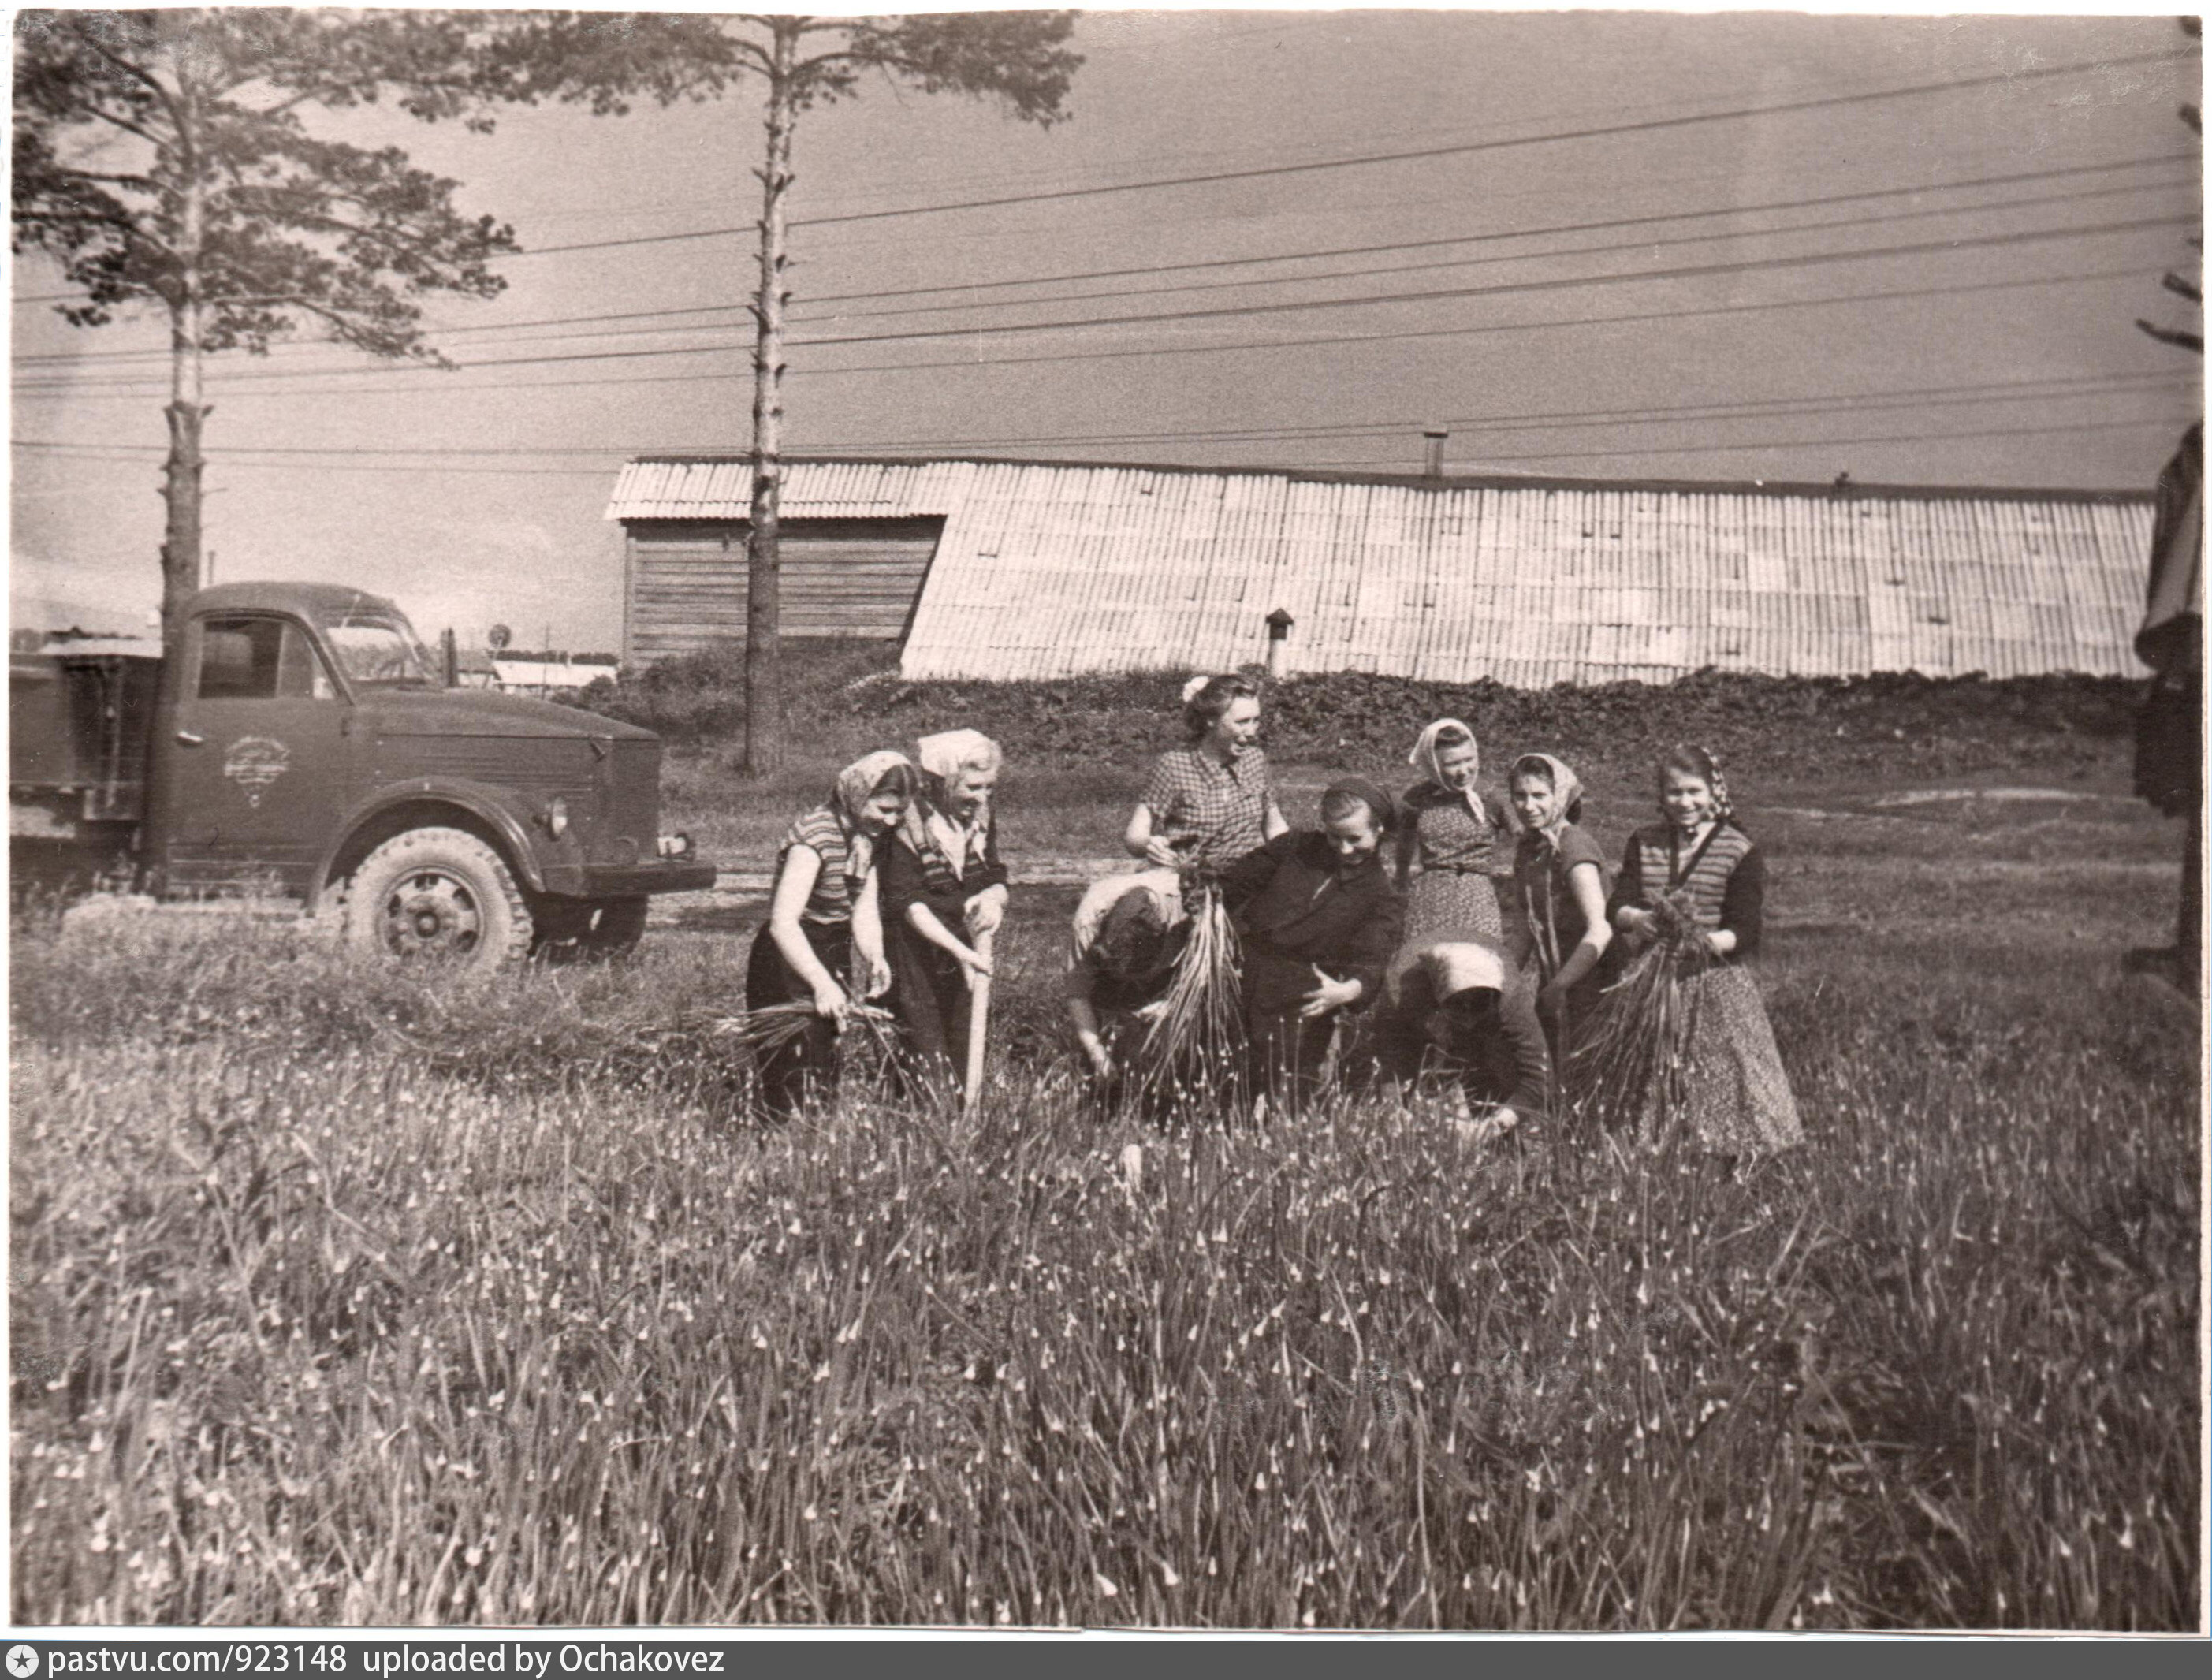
pixel 1736 1093
pixel 823 912
pixel 944 893
pixel 1320 919
pixel 1450 847
pixel 1559 875
pixel 1211 802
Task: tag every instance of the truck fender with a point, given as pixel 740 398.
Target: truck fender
pixel 496 808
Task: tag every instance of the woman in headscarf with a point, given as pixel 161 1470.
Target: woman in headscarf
pixel 1558 874
pixel 1320 920
pixel 1211 802
pixel 822 915
pixel 1713 880
pixel 1451 848
pixel 944 890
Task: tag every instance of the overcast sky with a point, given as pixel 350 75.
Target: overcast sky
pixel 2039 212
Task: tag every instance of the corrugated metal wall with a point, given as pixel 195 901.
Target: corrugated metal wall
pixel 685 581
pixel 1049 571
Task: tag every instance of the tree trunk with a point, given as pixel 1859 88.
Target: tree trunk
pixel 763 752
pixel 180 488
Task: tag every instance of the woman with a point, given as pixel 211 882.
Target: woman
pixel 944 893
pixel 823 912
pixel 1558 874
pixel 1320 919
pixel 1211 802
pixel 1451 847
pixel 1711 876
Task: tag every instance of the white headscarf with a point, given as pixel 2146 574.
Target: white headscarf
pixel 1426 755
pixel 945 756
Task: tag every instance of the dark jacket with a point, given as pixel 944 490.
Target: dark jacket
pixel 1296 911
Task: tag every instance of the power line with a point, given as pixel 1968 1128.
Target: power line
pixel 1895 294
pixel 1649 126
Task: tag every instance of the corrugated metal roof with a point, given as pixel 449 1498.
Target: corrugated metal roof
pixel 1049 570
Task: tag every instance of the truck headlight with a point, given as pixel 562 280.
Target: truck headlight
pixel 556 817
pixel 676 845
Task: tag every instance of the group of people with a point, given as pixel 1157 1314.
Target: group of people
pixel 1476 934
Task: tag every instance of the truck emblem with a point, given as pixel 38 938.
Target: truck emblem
pixel 255 761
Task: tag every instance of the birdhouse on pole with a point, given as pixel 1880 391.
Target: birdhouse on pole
pixel 1279 631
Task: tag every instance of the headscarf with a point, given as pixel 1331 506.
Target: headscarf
pixel 856 783
pixel 1426 757
pixel 943 757
pixel 1566 788
pixel 1378 803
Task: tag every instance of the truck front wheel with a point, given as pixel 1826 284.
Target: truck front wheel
pixel 440 895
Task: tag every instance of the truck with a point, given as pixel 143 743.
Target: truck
pixel 299 738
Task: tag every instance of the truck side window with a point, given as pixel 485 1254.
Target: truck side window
pixel 260 658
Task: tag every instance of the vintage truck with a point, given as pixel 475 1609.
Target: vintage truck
pixel 302 739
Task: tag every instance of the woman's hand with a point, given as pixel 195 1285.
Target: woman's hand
pixel 1631 920
pixel 1327 996
pixel 986 910
pixel 875 976
pixel 1159 853
pixel 831 1002
pixel 974 960
pixel 1102 1063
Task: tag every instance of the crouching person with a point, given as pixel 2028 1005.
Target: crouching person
pixel 1320 920
pixel 1453 1005
pixel 1128 933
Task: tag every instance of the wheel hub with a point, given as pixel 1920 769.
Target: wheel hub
pixel 432 913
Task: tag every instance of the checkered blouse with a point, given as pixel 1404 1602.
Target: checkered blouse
pixel 1214 813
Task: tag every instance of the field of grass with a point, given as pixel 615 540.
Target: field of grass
pixel 336 1300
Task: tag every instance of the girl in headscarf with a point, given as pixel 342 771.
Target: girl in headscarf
pixel 822 915
pixel 1451 847
pixel 1734 1085
pixel 1213 802
pixel 1320 920
pixel 1558 874
pixel 944 889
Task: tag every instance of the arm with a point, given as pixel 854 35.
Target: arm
pixel 1586 882
pixel 923 920
pixel 1155 804
pixel 1408 855
pixel 1247 879
pixel 1083 1017
pixel 1369 952
pixel 1275 822
pixel 1743 910
pixel 1532 1061
pixel 1626 906
pixel 795 883
pixel 868 937
pixel 987 908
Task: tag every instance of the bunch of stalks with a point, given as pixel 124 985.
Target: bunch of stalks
pixel 1192 1052
pixel 1628 1069
pixel 771 1027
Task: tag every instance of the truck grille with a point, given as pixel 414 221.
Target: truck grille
pixel 633 784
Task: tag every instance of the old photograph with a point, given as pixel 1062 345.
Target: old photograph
pixel 1383 821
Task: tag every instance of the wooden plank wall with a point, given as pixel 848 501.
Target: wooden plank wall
pixel 685 581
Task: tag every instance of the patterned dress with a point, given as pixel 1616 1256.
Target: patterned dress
pixel 1214 813
pixel 1463 852
pixel 1736 1090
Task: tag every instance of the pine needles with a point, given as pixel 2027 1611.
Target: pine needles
pixel 1629 1068
pixel 1193 1051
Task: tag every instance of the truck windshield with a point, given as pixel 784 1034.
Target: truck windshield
pixel 379 651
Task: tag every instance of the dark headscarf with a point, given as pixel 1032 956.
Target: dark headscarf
pixel 1380 804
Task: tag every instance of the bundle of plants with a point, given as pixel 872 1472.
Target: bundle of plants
pixel 771 1027
pixel 1191 1058
pixel 1627 1071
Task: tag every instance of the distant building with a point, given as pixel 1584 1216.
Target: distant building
pixel 1041 569
pixel 532 676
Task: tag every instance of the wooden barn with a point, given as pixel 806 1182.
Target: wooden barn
pixel 1042 569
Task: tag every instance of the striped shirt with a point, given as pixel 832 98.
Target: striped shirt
pixel 1724 879
pixel 1212 814
pixel 821 830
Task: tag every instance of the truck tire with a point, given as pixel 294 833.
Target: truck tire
pixel 596 930
pixel 438 895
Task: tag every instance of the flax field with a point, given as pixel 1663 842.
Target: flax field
pixel 334 1299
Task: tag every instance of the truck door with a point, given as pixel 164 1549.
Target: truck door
pixel 259 756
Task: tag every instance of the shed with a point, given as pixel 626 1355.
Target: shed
pixel 1006 569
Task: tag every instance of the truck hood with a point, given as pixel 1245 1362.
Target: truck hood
pixel 446 711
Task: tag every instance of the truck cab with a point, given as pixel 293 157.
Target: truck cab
pixel 300 738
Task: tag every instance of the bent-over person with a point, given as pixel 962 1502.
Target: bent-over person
pixel 1127 933
pixel 1454 1005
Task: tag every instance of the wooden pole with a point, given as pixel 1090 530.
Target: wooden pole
pixel 979 1021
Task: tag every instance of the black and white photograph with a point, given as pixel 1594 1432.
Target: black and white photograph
pixel 1382 820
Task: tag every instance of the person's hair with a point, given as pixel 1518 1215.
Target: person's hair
pixel 1462 1016
pixel 1211 702
pixel 1338 803
pixel 1132 940
pixel 900 779
pixel 1454 736
pixel 1537 770
pixel 1690 761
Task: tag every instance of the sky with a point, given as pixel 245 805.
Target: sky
pixel 1927 272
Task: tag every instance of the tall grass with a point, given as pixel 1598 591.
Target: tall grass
pixel 319 1321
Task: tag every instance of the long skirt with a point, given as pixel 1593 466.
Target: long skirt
pixel 1441 899
pixel 1734 1087
pixel 929 1003
pixel 809 1060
